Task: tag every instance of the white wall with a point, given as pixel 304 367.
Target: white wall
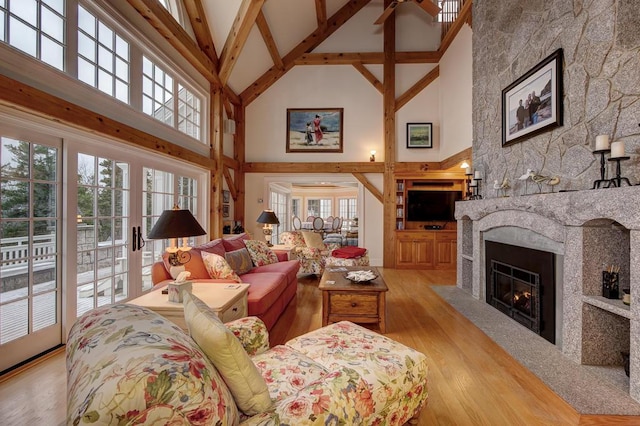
pixel 456 75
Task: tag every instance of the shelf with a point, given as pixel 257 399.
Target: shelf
pixel 614 306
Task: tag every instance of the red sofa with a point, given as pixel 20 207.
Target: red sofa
pixel 271 288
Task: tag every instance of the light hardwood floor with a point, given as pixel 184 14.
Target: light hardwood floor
pixel 472 381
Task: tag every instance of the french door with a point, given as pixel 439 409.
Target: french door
pixel 74 214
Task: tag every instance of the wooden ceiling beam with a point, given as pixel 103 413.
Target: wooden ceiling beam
pixel 321 13
pixel 201 29
pixel 428 57
pixel 166 25
pixel 456 159
pixel 22 97
pixel 269 41
pixel 368 167
pixel 305 46
pixel 238 35
pixel 367 184
pixel 369 76
pixel 366 58
pixel 417 88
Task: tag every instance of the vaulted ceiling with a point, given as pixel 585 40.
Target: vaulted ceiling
pixel 246 45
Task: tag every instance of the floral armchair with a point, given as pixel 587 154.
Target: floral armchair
pixel 311 252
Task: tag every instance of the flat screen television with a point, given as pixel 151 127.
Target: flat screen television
pixel 428 206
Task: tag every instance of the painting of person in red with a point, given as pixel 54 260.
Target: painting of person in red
pixel 316 128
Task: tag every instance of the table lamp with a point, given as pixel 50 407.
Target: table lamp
pixel 268 218
pixel 174 224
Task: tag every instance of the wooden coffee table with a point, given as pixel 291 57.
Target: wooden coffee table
pixel 343 300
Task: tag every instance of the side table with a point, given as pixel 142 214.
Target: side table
pixel 282 249
pixel 227 300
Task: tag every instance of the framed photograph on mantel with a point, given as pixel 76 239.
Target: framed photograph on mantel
pixel 533 103
pixel 314 130
pixel 419 135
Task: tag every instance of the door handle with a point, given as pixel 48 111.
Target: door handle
pixel 141 241
pixel 134 238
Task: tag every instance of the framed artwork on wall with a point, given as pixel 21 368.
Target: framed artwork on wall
pixel 419 135
pixel 533 103
pixel 314 130
pixel 225 210
pixel 226 196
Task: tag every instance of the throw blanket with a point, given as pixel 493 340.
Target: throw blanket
pixel 348 252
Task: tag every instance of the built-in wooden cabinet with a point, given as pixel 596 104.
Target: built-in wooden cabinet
pixel 426 249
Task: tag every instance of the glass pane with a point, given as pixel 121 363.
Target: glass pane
pixel 52 24
pixel 85 298
pixel 44 162
pixel 122 92
pixel 18 230
pixel 105 59
pixel 121 175
pixel 105 263
pixel 86 259
pixel 44 195
pixel 57 5
pixel 44 237
pixel 3 16
pixel 105 202
pixel 147 67
pixel 122 47
pixel 86 22
pixel 15 158
pixel 105 288
pixel 44 310
pixel 86 47
pixel 105 231
pixel 44 276
pixel 147 105
pixel 14 198
pixel 119 230
pixel 86 203
pixel 23 37
pixel 147 86
pixel 122 284
pixel 52 53
pixel 14 321
pixel 26 10
pixel 105 82
pixel 86 72
pixel 122 70
pixel 105 36
pixel 119 200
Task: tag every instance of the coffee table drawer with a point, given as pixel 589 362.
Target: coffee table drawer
pixel 236 311
pixel 353 304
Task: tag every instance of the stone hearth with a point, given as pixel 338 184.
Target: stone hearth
pixel 586 230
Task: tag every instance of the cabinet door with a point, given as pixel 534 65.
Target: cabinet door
pixel 404 253
pixel 423 253
pixel 446 252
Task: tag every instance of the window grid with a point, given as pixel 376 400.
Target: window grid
pixel 319 207
pixel 103 57
pixel 36 27
pixel 188 112
pixel 278 204
pixel 157 92
pixel 348 208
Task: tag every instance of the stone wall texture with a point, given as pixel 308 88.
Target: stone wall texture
pixel 601 92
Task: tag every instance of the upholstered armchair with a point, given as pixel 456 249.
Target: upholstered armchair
pixel 308 248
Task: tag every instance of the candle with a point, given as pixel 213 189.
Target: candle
pixel 468 171
pixel 477 175
pixel 473 183
pixel 617 149
pixel 602 142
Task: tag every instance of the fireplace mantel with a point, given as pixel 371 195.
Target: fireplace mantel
pixel 591 228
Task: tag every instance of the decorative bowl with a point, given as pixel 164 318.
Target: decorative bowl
pixel 360 277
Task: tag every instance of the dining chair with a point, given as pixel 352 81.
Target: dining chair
pixel 296 222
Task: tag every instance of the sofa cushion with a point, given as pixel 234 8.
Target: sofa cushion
pixel 235 242
pixel 287 371
pixel 260 253
pixel 226 353
pixel 214 246
pixel 123 369
pixel 195 265
pixel 288 267
pixel 313 239
pixel 218 268
pixel 264 290
pixel 292 239
pixel 239 260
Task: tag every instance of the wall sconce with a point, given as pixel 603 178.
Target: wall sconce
pixel 268 218
pixel 174 224
pixel 373 155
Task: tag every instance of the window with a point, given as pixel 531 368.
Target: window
pixel 296 207
pixel 319 207
pixel 348 208
pixel 188 112
pixel 278 204
pixel 103 57
pixel 36 27
pixel 157 92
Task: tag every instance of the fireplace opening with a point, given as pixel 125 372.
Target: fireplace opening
pixel 520 283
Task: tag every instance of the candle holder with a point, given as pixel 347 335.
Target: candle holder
pixel 467 179
pixel 602 180
pixel 476 191
pixel 610 285
pixel 617 181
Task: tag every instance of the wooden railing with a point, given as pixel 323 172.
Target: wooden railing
pixel 450 9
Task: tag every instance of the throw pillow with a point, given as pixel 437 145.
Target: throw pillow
pixel 218 268
pixel 260 253
pixel 226 353
pixel 239 260
pixel 214 246
pixel 194 265
pixel 235 242
pixel 313 240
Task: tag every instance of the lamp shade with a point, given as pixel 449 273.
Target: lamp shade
pixel 269 217
pixel 175 224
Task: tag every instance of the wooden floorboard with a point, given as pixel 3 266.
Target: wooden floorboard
pixel 472 381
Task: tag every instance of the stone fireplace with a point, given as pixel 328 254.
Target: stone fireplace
pixel 584 231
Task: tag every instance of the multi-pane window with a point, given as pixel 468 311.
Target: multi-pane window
pixel 278 204
pixel 103 57
pixel 296 207
pixel 348 208
pixel 36 27
pixel 157 92
pixel 319 207
pixel 188 112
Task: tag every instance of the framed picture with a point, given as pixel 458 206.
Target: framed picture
pixel 533 103
pixel 226 196
pixel 225 210
pixel 419 135
pixel 314 130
